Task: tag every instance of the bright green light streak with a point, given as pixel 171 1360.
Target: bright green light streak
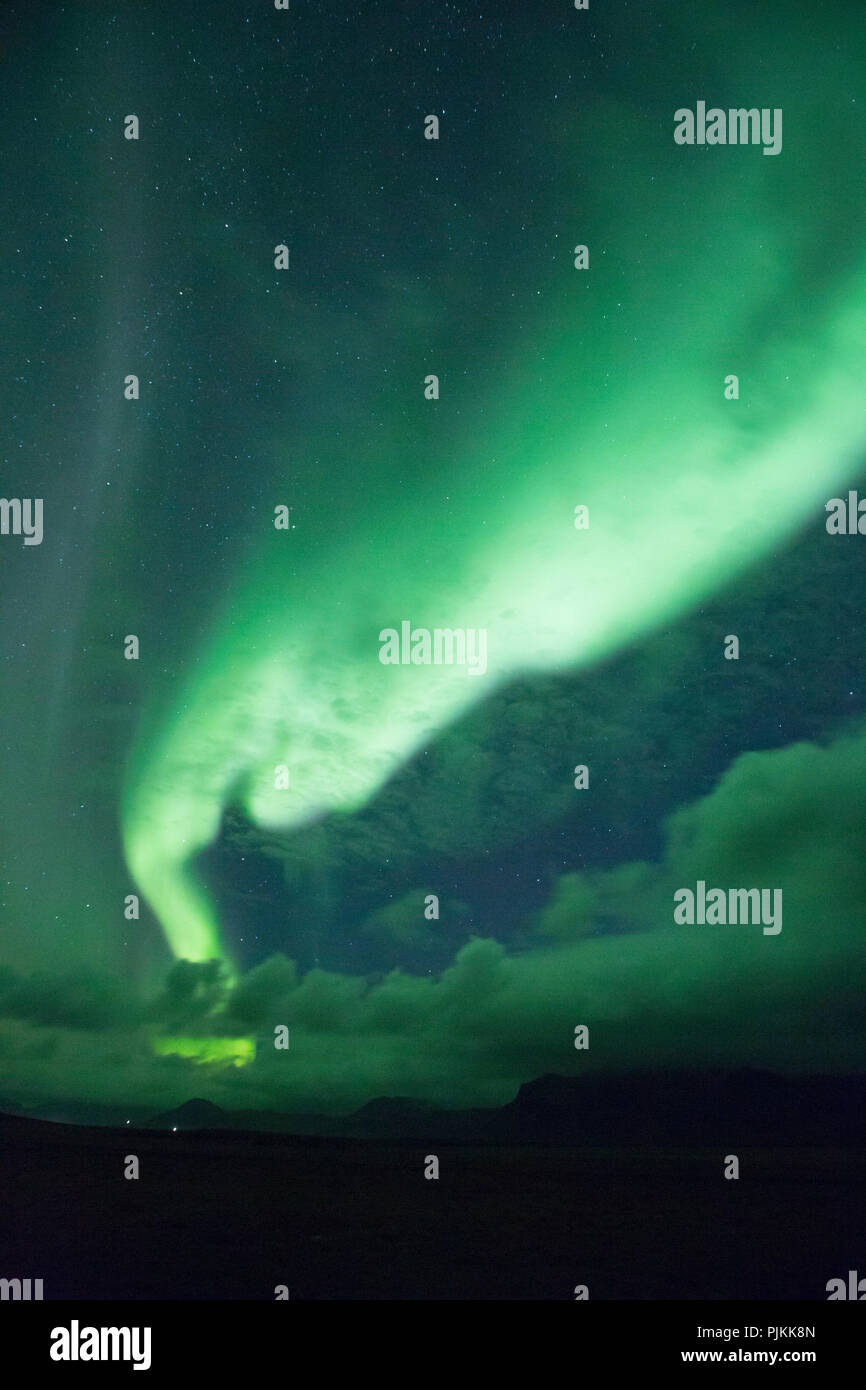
pixel 684 492
pixel 235 1051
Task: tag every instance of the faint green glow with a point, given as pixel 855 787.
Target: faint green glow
pixel 237 1052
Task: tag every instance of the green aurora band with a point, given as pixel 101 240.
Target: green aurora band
pixel 684 490
pixel 704 262
pixel 559 387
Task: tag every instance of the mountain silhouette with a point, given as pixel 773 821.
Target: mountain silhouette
pixel 656 1108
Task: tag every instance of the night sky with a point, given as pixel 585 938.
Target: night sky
pixel 304 388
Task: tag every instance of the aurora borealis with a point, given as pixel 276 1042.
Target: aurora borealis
pixel 303 905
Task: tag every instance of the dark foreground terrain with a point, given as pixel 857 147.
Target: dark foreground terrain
pixel 225 1215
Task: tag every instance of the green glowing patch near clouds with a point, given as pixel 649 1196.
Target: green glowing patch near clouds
pixel 238 1052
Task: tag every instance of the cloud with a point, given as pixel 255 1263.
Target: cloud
pixel 258 995
pixel 403 923
pixel 82 1000
pixel 605 952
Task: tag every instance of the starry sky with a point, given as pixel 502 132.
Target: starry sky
pixel 304 388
